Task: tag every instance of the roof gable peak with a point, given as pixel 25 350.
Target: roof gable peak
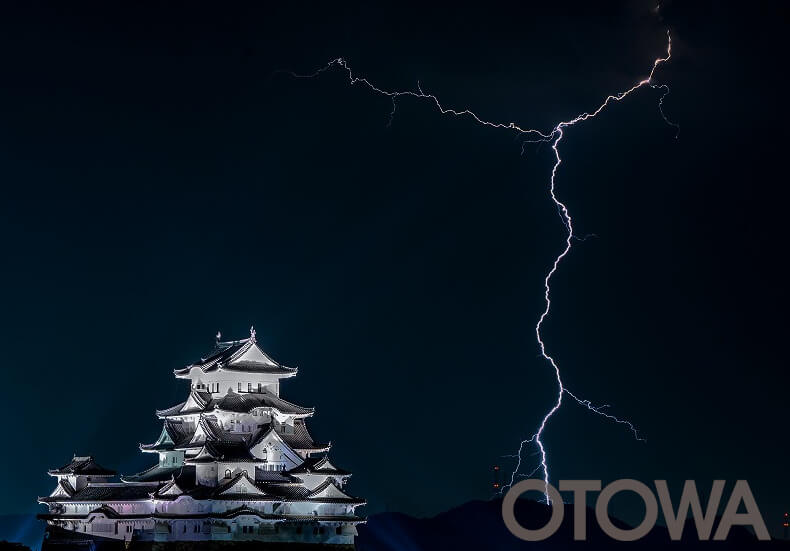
pixel 328 490
pixel 252 353
pixel 171 489
pixel 241 484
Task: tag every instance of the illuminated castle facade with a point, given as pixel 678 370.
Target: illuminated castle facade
pixel 235 463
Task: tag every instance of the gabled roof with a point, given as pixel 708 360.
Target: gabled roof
pixel 242 355
pixel 181 482
pixel 196 402
pixel 318 465
pixel 209 430
pixel 82 465
pixel 170 489
pixel 300 440
pixel 174 434
pixel 329 492
pixel 174 410
pixel 241 484
pixel 63 489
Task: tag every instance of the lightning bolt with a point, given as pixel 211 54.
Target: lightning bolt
pixel 531 135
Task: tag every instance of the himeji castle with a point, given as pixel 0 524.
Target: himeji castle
pixel 235 462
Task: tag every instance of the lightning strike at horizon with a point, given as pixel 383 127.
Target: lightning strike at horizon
pixel 554 137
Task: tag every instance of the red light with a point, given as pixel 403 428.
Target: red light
pixel 496 468
pixel 496 484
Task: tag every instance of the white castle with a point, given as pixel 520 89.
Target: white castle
pixel 236 463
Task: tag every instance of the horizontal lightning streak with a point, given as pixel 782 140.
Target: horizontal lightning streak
pixel 554 137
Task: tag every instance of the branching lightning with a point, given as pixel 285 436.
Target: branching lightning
pixel 531 135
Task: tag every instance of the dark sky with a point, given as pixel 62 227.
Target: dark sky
pixel 161 181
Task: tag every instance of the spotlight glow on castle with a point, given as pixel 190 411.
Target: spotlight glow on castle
pixel 235 463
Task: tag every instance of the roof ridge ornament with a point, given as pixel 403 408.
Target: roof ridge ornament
pixel 218 336
pixel 252 333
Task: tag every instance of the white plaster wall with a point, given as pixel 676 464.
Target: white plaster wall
pixel 229 380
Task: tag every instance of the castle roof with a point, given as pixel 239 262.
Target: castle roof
pixel 300 440
pixel 318 465
pixel 243 355
pixel 174 435
pixel 99 492
pixel 234 402
pixel 326 492
pixel 82 465
pixel 223 451
pixel 158 473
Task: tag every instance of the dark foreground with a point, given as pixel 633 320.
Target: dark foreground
pixel 473 526
pixel 478 525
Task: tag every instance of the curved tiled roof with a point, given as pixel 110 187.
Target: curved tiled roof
pixel 174 435
pixel 224 451
pixel 246 402
pixel 82 465
pixel 243 402
pixel 108 492
pixel 157 473
pixel 299 440
pixel 318 465
pixel 225 353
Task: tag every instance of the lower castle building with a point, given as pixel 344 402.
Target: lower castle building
pixel 235 462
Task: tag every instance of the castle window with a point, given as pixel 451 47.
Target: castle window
pixel 249 387
pixel 260 387
pixel 227 473
pixel 239 387
pixel 339 530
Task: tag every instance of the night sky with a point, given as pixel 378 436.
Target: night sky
pixel 162 181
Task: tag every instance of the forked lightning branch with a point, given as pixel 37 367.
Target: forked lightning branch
pixel 554 137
